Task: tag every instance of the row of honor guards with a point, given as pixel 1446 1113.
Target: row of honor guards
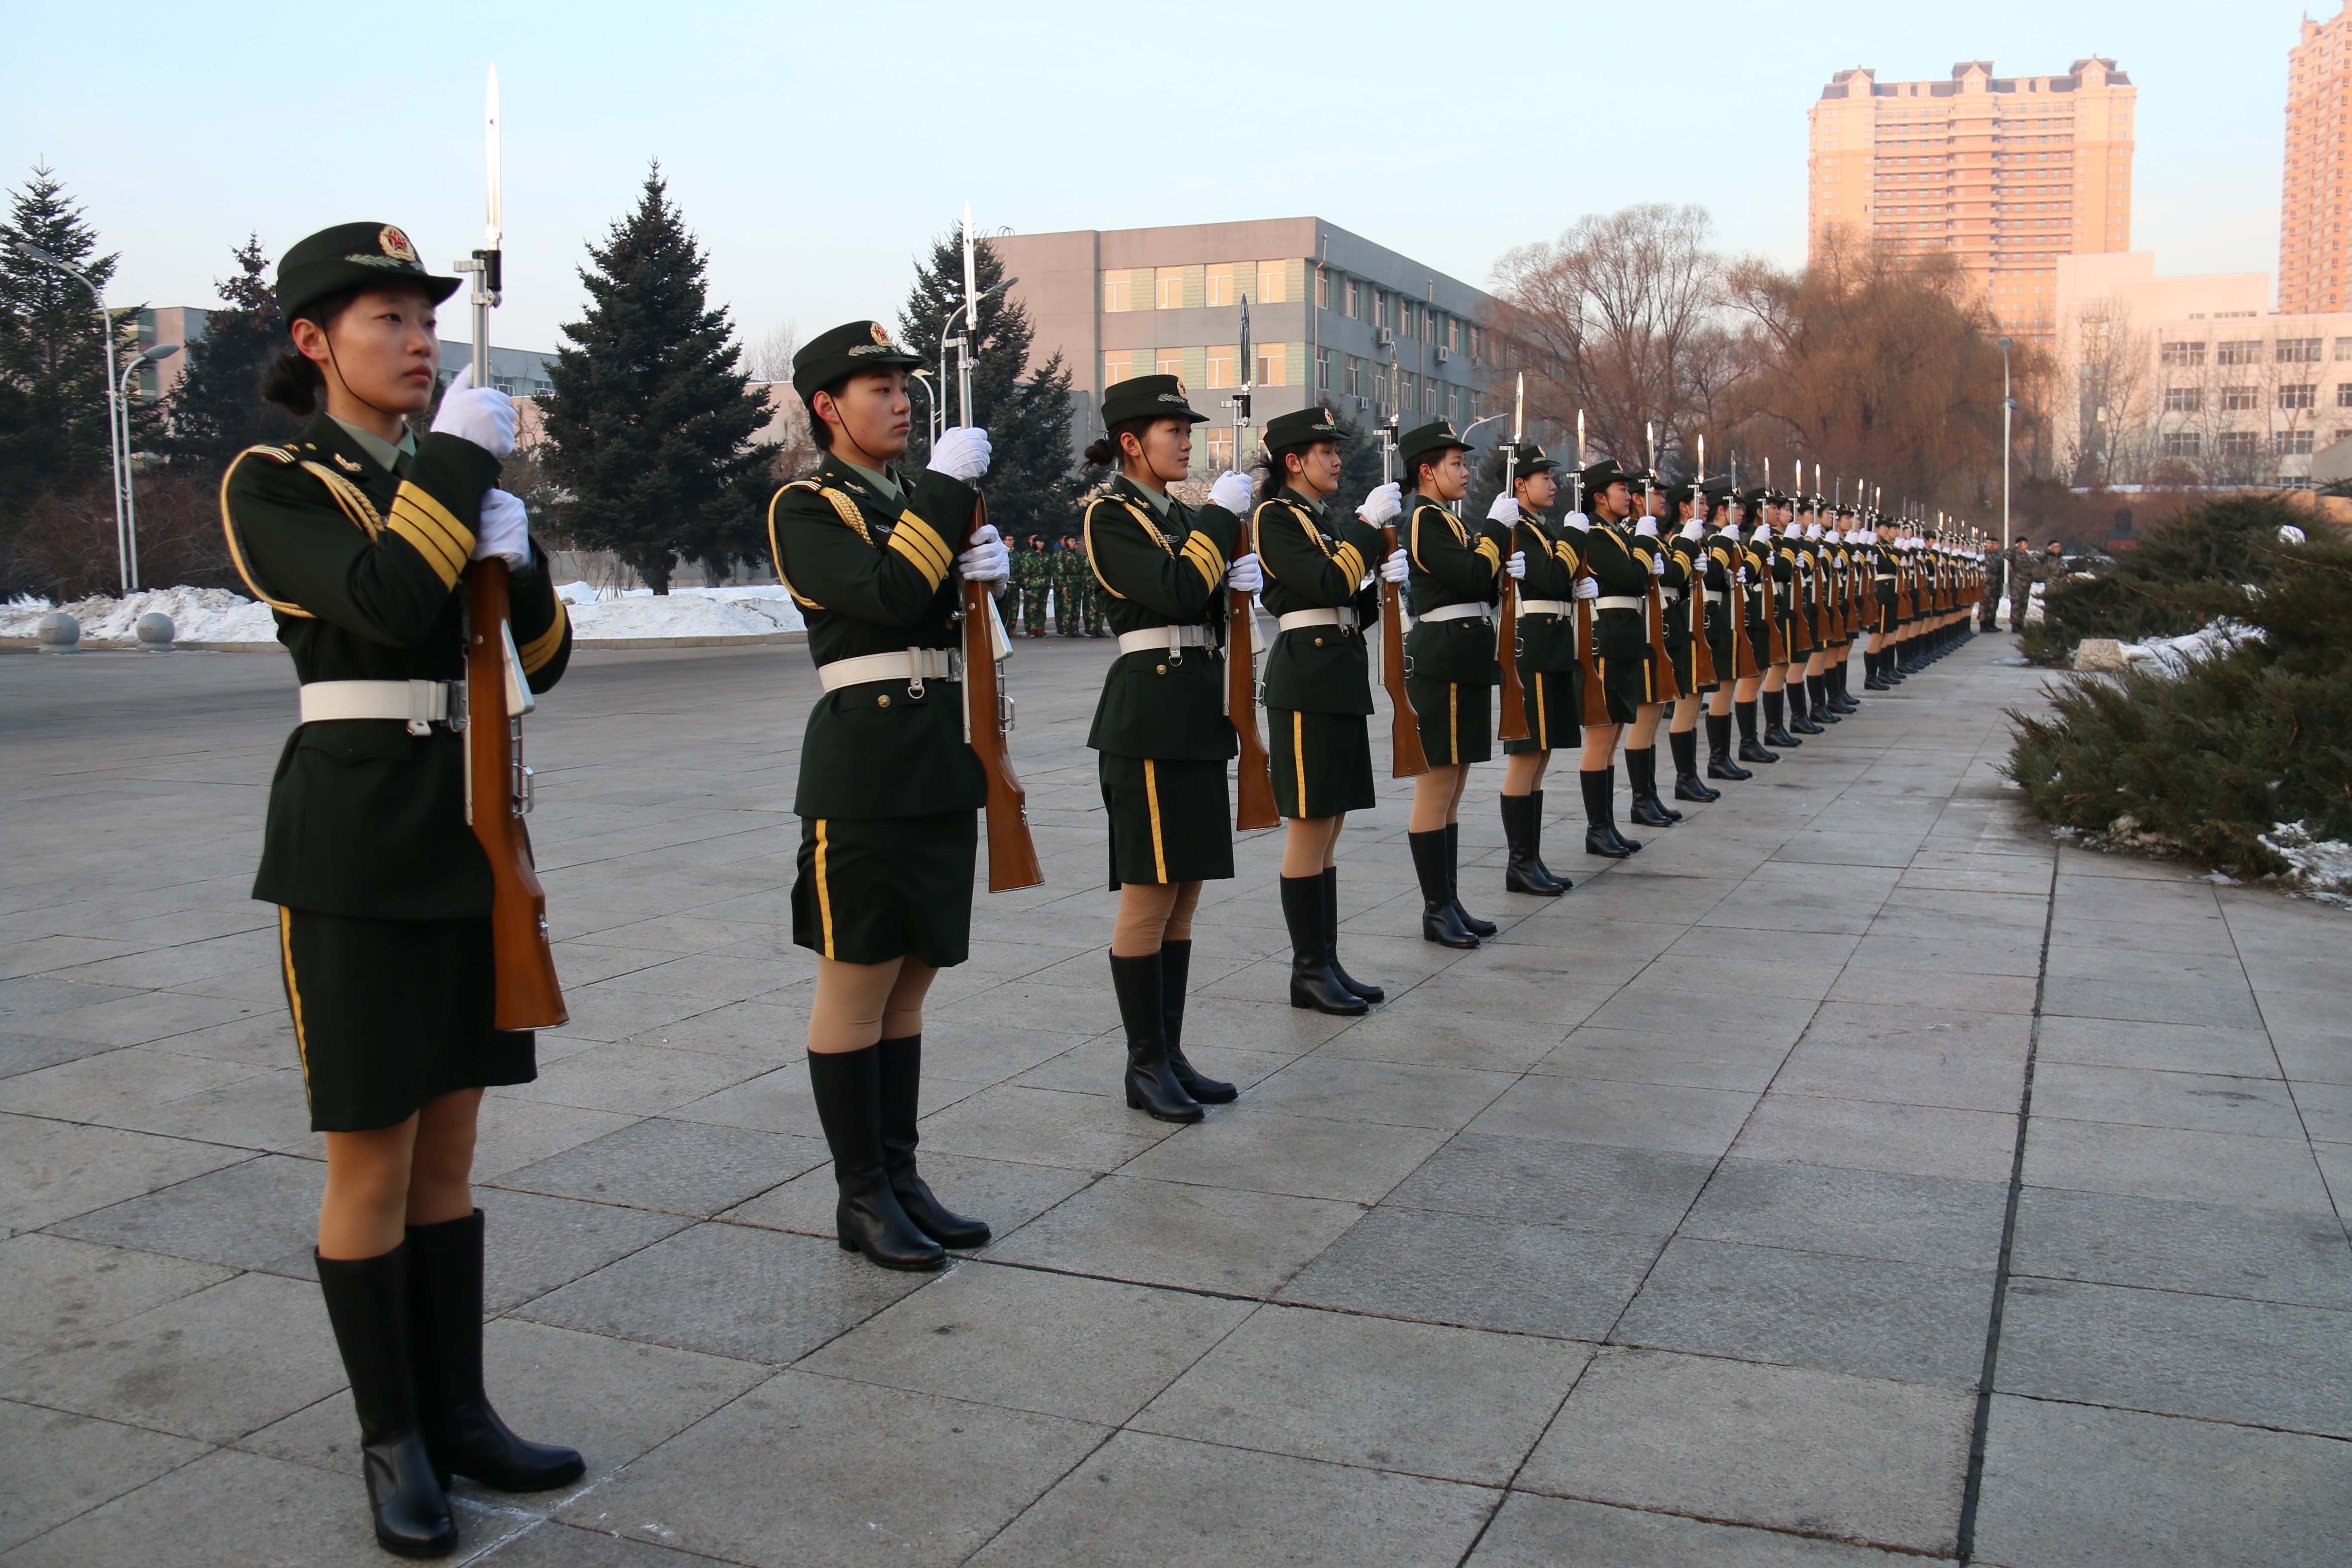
pixel 357 533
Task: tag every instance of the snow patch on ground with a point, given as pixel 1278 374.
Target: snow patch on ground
pixel 198 615
pixel 2322 867
pixel 2173 655
pixel 725 612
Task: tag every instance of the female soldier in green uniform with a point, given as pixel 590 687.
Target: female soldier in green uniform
pixel 1685 574
pixel 1450 666
pixel 1317 565
pixel 1726 586
pixel 889 786
pixel 1619 562
pixel 354 534
pixel 1550 682
pixel 1160 728
pixel 1642 736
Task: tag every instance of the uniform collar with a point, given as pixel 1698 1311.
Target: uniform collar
pixel 1158 500
pixel 382 453
pixel 882 483
pixel 1298 498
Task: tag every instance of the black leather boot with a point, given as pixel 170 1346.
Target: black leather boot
pixel 368 1303
pixel 1175 969
pixel 1523 872
pixel 1688 785
pixel 1535 840
pixel 1799 714
pixel 1331 940
pixel 1719 764
pixel 1873 667
pixel 1151 1086
pixel 1817 689
pixel 1841 699
pixel 848 1088
pixel 900 1081
pixel 1480 929
pixel 1439 923
pixel 1775 727
pixel 462 1434
pixel 1312 983
pixel 1600 835
pixel 1642 774
pixel 1750 749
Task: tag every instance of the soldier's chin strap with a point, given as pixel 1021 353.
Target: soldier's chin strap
pixel 345 381
pixel 879 465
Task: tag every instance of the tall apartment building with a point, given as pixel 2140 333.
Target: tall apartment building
pixel 1334 318
pixel 2314 267
pixel 2008 173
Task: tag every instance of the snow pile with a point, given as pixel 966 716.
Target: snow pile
pixel 2322 867
pixel 198 615
pixel 726 612
pixel 2173 655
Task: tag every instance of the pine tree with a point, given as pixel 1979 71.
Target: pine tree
pixel 1033 482
pixel 216 410
pixel 53 390
pixel 649 427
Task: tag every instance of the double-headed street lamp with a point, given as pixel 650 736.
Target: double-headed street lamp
pixel 130 509
pixel 2008 407
pixel 116 430
pixel 961 344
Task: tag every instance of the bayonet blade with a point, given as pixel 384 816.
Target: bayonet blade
pixel 492 158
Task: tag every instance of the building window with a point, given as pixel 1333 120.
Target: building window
pixel 1323 371
pixel 1273 282
pixel 1352 299
pixel 1171 362
pixel 2298 395
pixel 1322 289
pixel 1352 378
pixel 2187 353
pixel 1273 364
pixel 2291 442
pixel 1221 364
pixel 2237 352
pixel 1453 334
pixel 2184 399
pixel 2344 395
pixel 1477 345
pixel 1168 289
pixel 2298 351
pixel 2237 399
pixel 2240 443
pixel 1454 403
pixel 1116 367
pixel 1220 446
pixel 1118 291
pixel 1219 285
pixel 2342 345
pixel 2183 444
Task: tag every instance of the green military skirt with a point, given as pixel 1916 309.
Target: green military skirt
pixel 1722 642
pixel 1322 762
pixel 391 1013
pixel 1455 719
pixel 1627 683
pixel 1554 701
pixel 1171 821
pixel 1681 650
pixel 872 889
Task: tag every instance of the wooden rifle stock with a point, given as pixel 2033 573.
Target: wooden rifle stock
pixel 1253 789
pixel 1702 653
pixel 1776 645
pixel 1596 700
pixel 1011 854
pixel 527 993
pixel 1507 652
pixel 1654 619
pixel 1406 759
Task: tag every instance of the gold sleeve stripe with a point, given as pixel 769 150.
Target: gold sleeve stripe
pixel 236 549
pixel 541 649
pixel 430 535
pixel 1490 550
pixel 913 539
pixel 1350 561
pixel 1202 552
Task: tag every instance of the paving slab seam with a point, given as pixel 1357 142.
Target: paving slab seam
pixel 1732 1523
pixel 2205 1295
pixel 2053 1399
pixel 1981 1432
pixel 2334 1197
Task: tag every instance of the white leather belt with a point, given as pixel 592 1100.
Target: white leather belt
pixel 1618 602
pixel 1670 596
pixel 1342 617
pixel 1458 613
pixel 1714 596
pixel 1886 576
pixel 422 703
pixel 912 665
pixel 1164 639
pixel 1546 606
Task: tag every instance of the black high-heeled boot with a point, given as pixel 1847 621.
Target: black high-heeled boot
pixel 1312 983
pixel 1151 1086
pixel 1775 727
pixel 848 1088
pixel 899 1082
pixel 1874 666
pixel 1750 750
pixel 1688 785
pixel 1800 719
pixel 1719 764
pixel 1817 689
pixel 1439 923
pixel 1480 929
pixel 1331 941
pixel 1535 839
pixel 368 1303
pixel 1642 773
pixel 463 1434
pixel 1175 969
pixel 1523 872
pixel 1600 835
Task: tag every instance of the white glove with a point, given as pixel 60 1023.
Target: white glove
pixel 1506 510
pixel 1397 567
pixel 1693 529
pixel 1382 506
pixel 505 532
pixel 1577 520
pixel 1646 529
pixel 986 560
pixel 961 453
pixel 1657 565
pixel 1763 535
pixel 1587 587
pixel 1230 491
pixel 482 415
pixel 1517 566
pixel 1244 575
pixel 1812 531
pixel 1743 576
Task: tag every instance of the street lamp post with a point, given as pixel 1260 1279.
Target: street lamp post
pixel 114 429
pixel 961 346
pixel 2008 407
pixel 155 355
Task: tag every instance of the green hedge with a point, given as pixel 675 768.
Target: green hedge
pixel 2133 597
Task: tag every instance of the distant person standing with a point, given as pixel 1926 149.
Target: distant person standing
pixel 1995 570
pixel 2021 570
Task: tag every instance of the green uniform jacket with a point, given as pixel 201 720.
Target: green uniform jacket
pixel 1315 559
pixel 1619 560
pixel 1686 570
pixel 872 576
pixel 1547 643
pixel 1451 565
pixel 1880 559
pixel 361 566
pixel 1162 570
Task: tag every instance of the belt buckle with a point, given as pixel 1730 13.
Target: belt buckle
pixel 915 673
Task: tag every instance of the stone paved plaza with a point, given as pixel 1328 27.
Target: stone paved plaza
pixel 1681 1225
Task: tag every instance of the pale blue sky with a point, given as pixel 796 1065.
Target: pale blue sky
pixel 816 148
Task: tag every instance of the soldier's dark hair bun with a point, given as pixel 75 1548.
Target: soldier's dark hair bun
pixel 1104 452
pixel 291 379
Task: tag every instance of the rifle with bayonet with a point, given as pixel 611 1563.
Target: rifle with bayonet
pixel 1253 804
pixel 1663 686
pixel 1703 672
pixel 1506 621
pixel 1406 758
pixel 1595 707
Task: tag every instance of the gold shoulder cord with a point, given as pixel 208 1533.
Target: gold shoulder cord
pixel 843 508
pixel 347 496
pixel 1150 530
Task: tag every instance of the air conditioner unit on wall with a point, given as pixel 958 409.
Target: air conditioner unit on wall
pixel 1384 338
pixel 1444 353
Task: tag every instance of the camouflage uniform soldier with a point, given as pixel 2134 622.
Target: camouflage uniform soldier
pixel 1070 572
pixel 1034 566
